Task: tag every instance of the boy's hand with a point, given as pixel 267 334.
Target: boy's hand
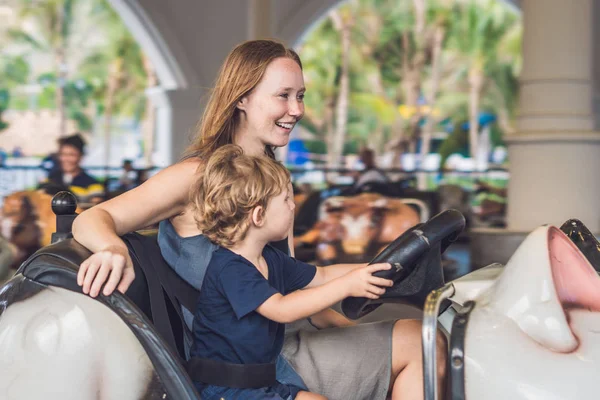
pixel 362 283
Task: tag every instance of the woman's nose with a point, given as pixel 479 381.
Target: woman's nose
pixel 296 108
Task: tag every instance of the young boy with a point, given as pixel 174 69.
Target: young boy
pixel 250 289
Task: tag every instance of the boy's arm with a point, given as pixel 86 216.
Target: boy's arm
pixel 304 303
pixel 331 272
pixel 327 318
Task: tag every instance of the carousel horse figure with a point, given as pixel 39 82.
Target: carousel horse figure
pixel 354 229
pixel 27 223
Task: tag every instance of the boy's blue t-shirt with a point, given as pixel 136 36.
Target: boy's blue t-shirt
pixel 226 325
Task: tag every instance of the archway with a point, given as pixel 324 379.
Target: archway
pixel 175 75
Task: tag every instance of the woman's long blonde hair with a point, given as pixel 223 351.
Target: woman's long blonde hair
pixel 242 70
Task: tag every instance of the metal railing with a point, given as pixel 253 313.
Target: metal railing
pixel 16 178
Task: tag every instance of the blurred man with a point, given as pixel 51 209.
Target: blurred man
pixel 371 173
pixel 128 179
pixel 70 175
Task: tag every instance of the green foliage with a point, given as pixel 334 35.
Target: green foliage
pixel 456 143
pixel 84 123
pixel 86 85
pixel 315 146
pixel 484 35
pixel 4 100
pixel 77 95
pixel 14 71
pixel 496 136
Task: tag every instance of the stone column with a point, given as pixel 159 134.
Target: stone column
pixel 177 113
pixel 596 63
pixel 555 155
pixel 259 19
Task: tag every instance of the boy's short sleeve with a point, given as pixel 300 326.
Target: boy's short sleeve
pixel 296 274
pixel 244 286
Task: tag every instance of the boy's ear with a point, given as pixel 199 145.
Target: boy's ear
pixel 258 216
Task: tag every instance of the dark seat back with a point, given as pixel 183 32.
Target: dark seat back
pixel 159 290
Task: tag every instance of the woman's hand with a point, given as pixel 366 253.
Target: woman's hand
pixel 112 265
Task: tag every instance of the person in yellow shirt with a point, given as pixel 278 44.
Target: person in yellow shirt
pixel 70 175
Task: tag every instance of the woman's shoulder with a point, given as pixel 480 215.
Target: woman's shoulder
pixel 187 167
pixel 173 181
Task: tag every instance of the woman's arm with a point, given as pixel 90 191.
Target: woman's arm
pixel 162 196
pixel 329 318
pixel 304 303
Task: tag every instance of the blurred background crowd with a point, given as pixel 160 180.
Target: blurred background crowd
pixel 407 106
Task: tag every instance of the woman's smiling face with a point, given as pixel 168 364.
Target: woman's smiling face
pixel 273 107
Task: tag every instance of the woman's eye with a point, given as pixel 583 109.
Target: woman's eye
pixel 301 97
pixel 284 95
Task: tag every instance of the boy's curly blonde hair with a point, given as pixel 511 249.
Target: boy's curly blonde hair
pixel 231 185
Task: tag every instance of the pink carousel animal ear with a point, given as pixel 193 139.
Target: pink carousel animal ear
pixel 526 291
pixel 576 281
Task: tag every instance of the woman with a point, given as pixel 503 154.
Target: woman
pixel 257 100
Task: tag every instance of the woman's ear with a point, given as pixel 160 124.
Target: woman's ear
pixel 258 216
pixel 242 103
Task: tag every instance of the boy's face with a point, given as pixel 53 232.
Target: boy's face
pixel 279 215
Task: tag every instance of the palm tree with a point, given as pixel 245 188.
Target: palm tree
pixel 54 19
pixel 437 28
pixel 502 89
pixel 372 98
pixel 14 71
pixel 399 54
pixel 320 57
pixel 478 31
pixel 121 72
pixel 342 19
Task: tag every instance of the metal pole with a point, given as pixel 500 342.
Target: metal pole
pixel 429 335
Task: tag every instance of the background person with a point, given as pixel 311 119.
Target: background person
pixel 70 175
pixel 370 173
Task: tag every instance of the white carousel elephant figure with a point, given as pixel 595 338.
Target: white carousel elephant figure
pixel 534 333
pixel 58 344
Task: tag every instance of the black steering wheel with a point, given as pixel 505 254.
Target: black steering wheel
pixel 416 259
